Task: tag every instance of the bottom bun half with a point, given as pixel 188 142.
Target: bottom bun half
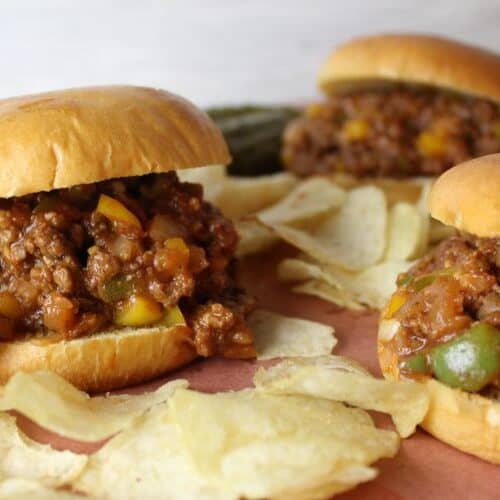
pixel 468 422
pixel 104 361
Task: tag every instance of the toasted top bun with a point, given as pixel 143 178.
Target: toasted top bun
pixel 415 59
pixel 103 361
pixel 80 136
pixel 466 421
pixel 468 197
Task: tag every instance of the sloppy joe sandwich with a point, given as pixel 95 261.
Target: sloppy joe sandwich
pixel 398 106
pixel 442 325
pixel 112 271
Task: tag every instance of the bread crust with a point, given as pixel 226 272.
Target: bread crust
pixel 468 197
pixel 469 422
pixel 105 361
pixel 80 136
pixel 415 59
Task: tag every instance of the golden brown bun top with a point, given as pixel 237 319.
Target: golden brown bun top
pixel 468 197
pixel 80 136
pixel 415 59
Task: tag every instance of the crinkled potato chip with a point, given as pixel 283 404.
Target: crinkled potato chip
pixel 240 196
pixel 399 191
pixel 408 232
pixel 147 461
pixel 371 287
pixel 375 285
pixel 395 190
pixel 353 238
pixel 267 446
pixel 55 404
pixel 407 402
pixel 327 292
pixel 20 457
pixel 311 198
pixel 212 179
pixel 24 489
pixel 281 336
pixel 425 184
pixel 254 237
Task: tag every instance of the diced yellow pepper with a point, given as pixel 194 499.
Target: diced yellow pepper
pixel 9 306
pixel 139 310
pixel 431 144
pixel 397 301
pixel 496 129
pixel 355 129
pixel 177 244
pixel 114 210
pixel 286 157
pixel 314 110
pixel 173 316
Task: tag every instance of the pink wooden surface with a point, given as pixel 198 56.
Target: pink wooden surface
pixel 424 467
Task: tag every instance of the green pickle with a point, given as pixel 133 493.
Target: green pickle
pixel 418 363
pixel 117 288
pixel 469 362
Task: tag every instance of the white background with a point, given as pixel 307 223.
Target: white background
pixel 213 51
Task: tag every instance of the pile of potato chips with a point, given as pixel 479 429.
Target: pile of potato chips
pixel 354 237
pixel 302 432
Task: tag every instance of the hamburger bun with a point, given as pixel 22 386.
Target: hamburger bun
pixel 466 197
pixel 79 136
pixel 104 361
pixel 379 60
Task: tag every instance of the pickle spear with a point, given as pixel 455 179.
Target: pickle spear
pixel 253 134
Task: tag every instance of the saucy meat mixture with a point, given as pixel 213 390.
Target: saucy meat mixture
pixel 130 252
pixel 448 310
pixel 396 132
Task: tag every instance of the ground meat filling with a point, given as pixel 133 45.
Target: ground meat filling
pixel 450 291
pixel 394 132
pixel 128 252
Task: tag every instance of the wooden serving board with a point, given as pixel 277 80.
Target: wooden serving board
pixel 424 467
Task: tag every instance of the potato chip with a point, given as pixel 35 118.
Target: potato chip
pixel 311 198
pixel 281 336
pixel 146 461
pixel 371 287
pixel 261 445
pixel 254 237
pixel 24 489
pixel 353 238
pixel 395 190
pixel 425 184
pixel 322 290
pixel 407 402
pixel 399 191
pixel 55 404
pixel 212 179
pixel 375 285
pixel 408 232
pixel 240 196
pixel 20 457
pixel 300 270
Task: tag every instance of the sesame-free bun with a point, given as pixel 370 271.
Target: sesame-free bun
pixel 80 136
pixel 469 422
pixel 373 61
pixel 467 197
pixel 104 361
